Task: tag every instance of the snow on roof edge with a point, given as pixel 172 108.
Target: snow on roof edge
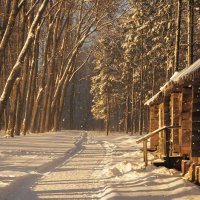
pixel 175 78
pixel 187 71
pixel 152 99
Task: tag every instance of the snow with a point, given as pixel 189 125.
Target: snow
pixel 187 71
pixel 85 165
pixel 176 78
pixel 152 99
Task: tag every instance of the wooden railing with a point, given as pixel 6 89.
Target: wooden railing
pixel 149 135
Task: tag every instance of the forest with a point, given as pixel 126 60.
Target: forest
pixel 87 64
pixel 100 99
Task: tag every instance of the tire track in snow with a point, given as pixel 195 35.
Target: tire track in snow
pixel 74 179
pixel 21 187
pixel 109 149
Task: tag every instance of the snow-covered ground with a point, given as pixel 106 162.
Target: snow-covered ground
pixel 84 165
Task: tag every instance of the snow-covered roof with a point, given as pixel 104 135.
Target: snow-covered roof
pixel 187 71
pixel 176 79
pixel 153 98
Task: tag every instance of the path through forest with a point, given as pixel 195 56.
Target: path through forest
pixel 84 165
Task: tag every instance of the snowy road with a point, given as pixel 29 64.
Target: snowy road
pixel 81 165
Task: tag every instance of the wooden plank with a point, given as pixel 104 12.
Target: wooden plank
pixel 186 125
pixel 164 119
pixel 186 115
pixel 175 137
pixel 196 123
pixel 195 133
pixel 167 150
pixel 185 150
pixel 153 126
pixel 175 111
pixel 147 136
pixel 198 175
pixel 194 171
pixel 187 106
pixel 180 119
pixel 186 121
pixel 185 164
pixel 186 138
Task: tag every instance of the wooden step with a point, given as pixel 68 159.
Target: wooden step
pixel 159 162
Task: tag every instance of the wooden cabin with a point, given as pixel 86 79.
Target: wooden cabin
pixel 178 104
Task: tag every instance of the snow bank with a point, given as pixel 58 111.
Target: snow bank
pixel 117 170
pixel 126 177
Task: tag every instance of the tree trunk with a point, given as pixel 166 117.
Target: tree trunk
pixel 21 99
pixel 71 117
pixel 127 113
pixel 17 67
pixel 141 111
pixel 178 31
pixel 190 31
pixel 8 30
pixel 49 90
pixel 13 107
pixel 57 118
pixel 132 103
pixel 31 84
pixel 141 117
pixel 17 127
pixel 107 114
pixel 5 120
pixel 24 76
pixel 35 113
pixel 56 112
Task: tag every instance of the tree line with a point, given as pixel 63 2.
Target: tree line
pixel 43 44
pixel 137 55
pixel 53 53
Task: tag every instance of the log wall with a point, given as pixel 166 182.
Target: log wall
pixel 195 143
pixel 153 126
pixel 175 113
pixel 186 121
pixel 164 120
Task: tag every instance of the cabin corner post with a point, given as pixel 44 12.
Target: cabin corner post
pixel 186 122
pixel 175 113
pixel 195 137
pixel 153 125
pixel 164 120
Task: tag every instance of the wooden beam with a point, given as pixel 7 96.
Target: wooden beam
pixel 147 136
pixel 167 133
pixel 145 152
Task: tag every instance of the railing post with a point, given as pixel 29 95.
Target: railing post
pixel 166 130
pixel 145 152
pixel 167 133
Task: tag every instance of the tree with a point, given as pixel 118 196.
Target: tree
pixel 106 84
